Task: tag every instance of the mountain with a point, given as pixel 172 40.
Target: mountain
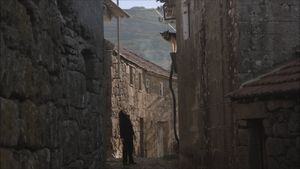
pixel 141 34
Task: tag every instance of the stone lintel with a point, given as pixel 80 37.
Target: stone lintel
pixel 250 110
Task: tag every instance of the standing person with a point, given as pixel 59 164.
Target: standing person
pixel 126 134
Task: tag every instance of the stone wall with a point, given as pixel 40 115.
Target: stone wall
pixel 207 39
pixel 149 111
pixel 280 135
pixel 54 84
pixel 158 117
pixel 269 34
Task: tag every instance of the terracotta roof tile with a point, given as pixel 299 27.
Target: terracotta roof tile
pixel 143 63
pixel 284 80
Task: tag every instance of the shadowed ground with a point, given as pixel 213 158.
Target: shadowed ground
pixel 145 163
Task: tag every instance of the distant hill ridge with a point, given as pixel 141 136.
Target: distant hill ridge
pixel 141 34
pixel 137 8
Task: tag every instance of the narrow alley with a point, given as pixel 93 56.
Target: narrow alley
pixel 149 84
pixel 145 163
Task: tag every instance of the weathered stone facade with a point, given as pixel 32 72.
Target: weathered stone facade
pixel 54 84
pixel 221 43
pixel 142 90
pixel 267 121
pixel 276 124
pixel 269 34
pixel 206 61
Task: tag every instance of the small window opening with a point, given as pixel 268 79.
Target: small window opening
pixel 131 75
pixel 161 89
pixel 147 85
pixel 140 81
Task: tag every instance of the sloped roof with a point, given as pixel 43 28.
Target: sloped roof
pixel 143 63
pixel 283 80
pixel 112 10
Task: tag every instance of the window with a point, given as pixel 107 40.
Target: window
pixel 161 91
pixel 131 74
pixel 116 68
pixel 140 81
pixel 147 85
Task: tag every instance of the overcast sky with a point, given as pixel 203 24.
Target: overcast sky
pixel 126 4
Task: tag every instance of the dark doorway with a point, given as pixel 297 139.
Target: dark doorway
pixel 142 146
pixel 256 144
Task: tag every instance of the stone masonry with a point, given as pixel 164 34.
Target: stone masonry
pixel 54 84
pixel 269 34
pixel 142 90
pixel 221 43
pixel 282 130
pixel 267 117
pixel 207 39
pixel 281 135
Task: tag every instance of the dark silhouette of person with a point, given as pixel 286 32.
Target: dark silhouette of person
pixel 127 135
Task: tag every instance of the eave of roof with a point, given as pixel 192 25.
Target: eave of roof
pixel 113 10
pixel 283 80
pixel 143 63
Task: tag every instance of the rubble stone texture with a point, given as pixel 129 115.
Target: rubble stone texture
pixel 54 84
pixel 269 34
pixel 206 60
pixel 281 133
pixel 150 111
pixel 219 44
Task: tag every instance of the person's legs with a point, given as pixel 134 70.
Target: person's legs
pixel 130 152
pixel 125 153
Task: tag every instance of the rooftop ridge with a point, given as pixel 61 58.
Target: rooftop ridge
pixel 283 79
pixel 142 62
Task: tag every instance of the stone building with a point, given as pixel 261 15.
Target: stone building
pixel 141 88
pixel 267 118
pixel 206 65
pixel 223 42
pixel 54 84
pixel 269 34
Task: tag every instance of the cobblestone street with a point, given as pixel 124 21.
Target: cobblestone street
pixel 143 163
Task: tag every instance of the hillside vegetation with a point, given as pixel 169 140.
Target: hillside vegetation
pixel 141 34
